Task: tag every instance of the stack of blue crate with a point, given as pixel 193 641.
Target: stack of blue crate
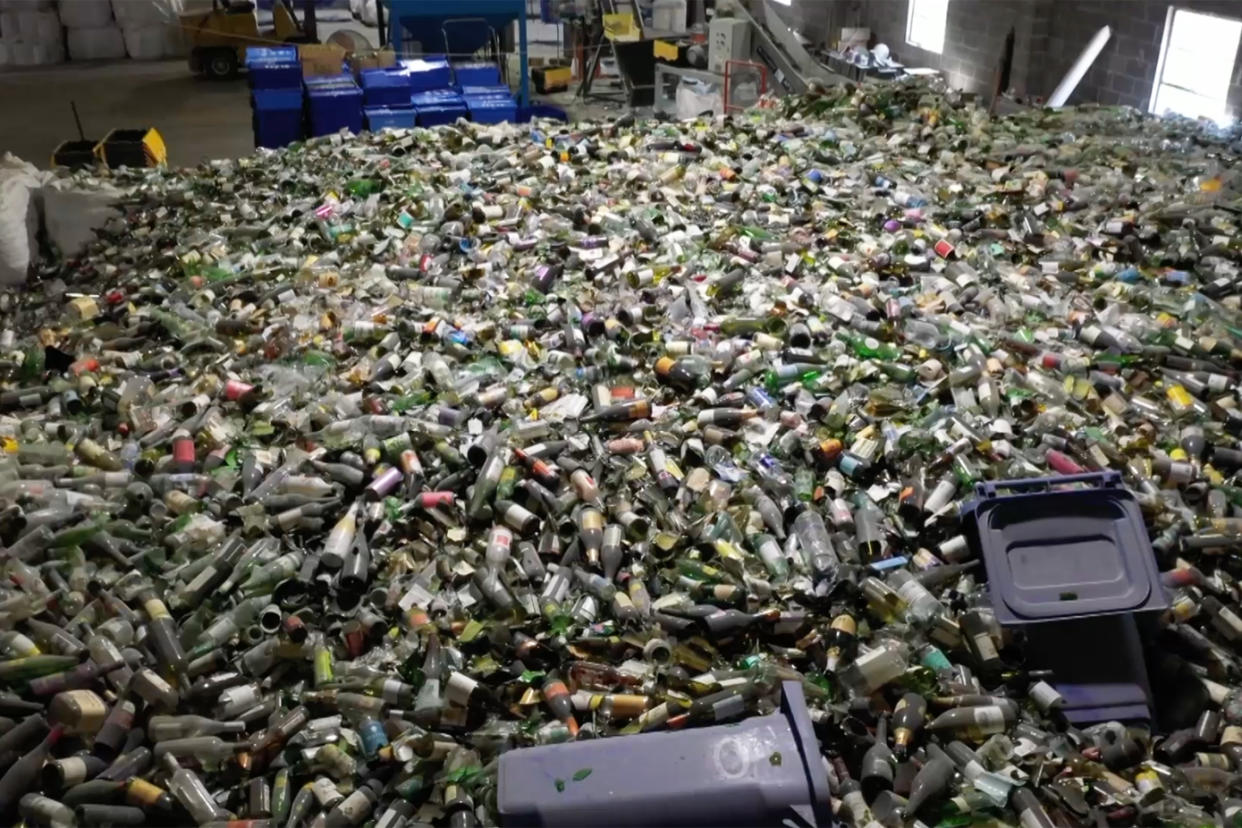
pixel 439 106
pixel 333 103
pixel 487 100
pixel 386 99
pixel 275 75
pixel 428 74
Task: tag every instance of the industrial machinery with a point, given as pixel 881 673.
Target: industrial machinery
pixel 218 38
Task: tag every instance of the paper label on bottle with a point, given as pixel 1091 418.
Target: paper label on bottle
pixel 911 591
pixel 729 707
pixel 990 717
pixel 987 650
pixel 73 770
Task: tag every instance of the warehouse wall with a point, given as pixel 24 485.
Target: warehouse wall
pixel 1049 35
pixel 1125 71
pixel 974 36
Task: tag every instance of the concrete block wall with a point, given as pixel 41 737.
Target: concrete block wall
pixel 1125 71
pixel 1049 35
pixel 974 36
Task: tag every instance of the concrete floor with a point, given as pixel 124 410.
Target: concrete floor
pixel 199 119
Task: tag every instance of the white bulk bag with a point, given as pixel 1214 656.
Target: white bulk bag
pixel 96 43
pixel 37 26
pixel 149 42
pixel 134 13
pixel 72 214
pixel 19 218
pixel 85 14
pixel 47 53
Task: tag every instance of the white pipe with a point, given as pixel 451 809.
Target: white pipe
pixel 1068 83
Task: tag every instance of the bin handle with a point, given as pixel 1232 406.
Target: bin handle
pixel 1100 479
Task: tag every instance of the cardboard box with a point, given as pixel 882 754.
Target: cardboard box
pixel 320 59
pixel 359 62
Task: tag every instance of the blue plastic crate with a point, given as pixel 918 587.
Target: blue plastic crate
pixel 501 91
pixel 491 110
pixel 436 115
pixel 277 117
pixel 275 75
pixel 383 117
pixel 436 97
pixel 344 79
pixel 476 74
pixel 427 73
pixel 332 108
pixel 383 88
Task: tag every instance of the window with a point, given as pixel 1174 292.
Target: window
pixel 1196 62
pixel 925 24
pixel 784 2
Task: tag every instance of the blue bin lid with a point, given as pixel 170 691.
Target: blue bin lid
pixel 490 103
pixel 277 99
pixel 323 81
pixel 271 54
pixel 334 92
pixel 424 64
pixel 486 92
pixel 1054 554
pixel 383 79
pixel 388 109
pixel 436 97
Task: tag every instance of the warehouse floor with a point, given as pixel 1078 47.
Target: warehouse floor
pixel 199 119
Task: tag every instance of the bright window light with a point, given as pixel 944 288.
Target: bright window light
pixel 925 24
pixel 1196 62
pixel 783 2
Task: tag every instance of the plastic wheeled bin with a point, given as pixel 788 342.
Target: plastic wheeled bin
pixel 330 108
pixel 385 117
pixel 491 110
pixel 766 770
pixel 75 154
pixel 381 87
pixel 474 73
pixel 273 67
pixel 427 73
pixel 132 148
pixel 1075 569
pixel 277 117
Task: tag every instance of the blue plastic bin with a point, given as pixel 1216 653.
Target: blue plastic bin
pixel 766 770
pixel 383 88
pixel 383 117
pixel 428 73
pixel 276 117
pixel 476 74
pixel 1074 568
pixel 333 107
pixel 491 110
pixel 436 115
pixel 274 67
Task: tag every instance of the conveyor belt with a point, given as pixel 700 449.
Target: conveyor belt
pixel 777 47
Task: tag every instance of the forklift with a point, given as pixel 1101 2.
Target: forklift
pixel 218 39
